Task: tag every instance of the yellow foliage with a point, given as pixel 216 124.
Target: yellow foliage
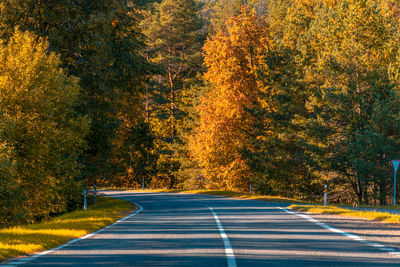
pixel 42 136
pixel 233 59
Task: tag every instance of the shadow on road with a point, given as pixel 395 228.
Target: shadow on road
pixel 179 230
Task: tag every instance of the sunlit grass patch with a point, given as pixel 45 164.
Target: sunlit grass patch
pixel 369 215
pixel 28 239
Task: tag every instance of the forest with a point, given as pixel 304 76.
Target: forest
pixel 288 95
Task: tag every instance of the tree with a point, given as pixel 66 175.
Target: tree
pixel 42 136
pixel 221 11
pixel 355 101
pixel 291 168
pixel 99 42
pixel 233 59
pixel 175 38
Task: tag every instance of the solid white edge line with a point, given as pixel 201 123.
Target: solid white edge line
pixel 37 255
pixel 388 249
pixel 230 256
pixel 348 235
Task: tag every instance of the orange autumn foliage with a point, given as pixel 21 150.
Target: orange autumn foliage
pixel 233 60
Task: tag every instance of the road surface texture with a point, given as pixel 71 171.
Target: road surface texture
pixel 200 230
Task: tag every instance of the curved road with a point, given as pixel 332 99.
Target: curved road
pixel 200 230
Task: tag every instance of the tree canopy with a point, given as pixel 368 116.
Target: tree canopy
pixel 285 95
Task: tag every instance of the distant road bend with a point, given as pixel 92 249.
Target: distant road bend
pixel 201 230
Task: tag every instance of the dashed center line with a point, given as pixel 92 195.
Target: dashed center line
pixel 381 247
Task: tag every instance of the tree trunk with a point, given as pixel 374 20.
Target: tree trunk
pixel 172 123
pixel 366 200
pixel 382 192
pixel 173 107
pixel 359 192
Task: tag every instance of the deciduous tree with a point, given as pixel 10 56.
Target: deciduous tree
pixel 42 135
pixel 233 59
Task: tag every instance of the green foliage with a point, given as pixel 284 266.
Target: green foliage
pixel 174 31
pixel 133 157
pixel 297 93
pixel 42 136
pixel 99 42
pixel 285 158
pixel 356 100
pixel 220 11
pixel 331 76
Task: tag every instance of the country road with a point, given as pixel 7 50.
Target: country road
pixel 201 230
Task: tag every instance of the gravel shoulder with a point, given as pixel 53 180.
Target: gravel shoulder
pixel 383 233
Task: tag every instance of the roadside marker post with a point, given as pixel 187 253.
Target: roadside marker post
pixel 325 194
pixel 84 200
pixel 395 163
pixel 95 194
pixel 250 184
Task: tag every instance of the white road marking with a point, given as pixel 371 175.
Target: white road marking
pixel 228 247
pixel 25 260
pixel 335 230
pixel 387 249
pixel 376 245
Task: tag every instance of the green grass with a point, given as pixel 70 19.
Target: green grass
pixel 369 215
pixel 22 240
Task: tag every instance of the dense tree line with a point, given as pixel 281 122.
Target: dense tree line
pixel 52 151
pixel 321 106
pixel 285 94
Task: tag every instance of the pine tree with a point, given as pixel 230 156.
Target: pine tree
pixel 175 38
pixel 284 156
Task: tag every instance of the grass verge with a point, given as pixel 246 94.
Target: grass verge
pixel 22 240
pixel 369 215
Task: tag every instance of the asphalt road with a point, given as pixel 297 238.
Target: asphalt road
pixel 198 230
